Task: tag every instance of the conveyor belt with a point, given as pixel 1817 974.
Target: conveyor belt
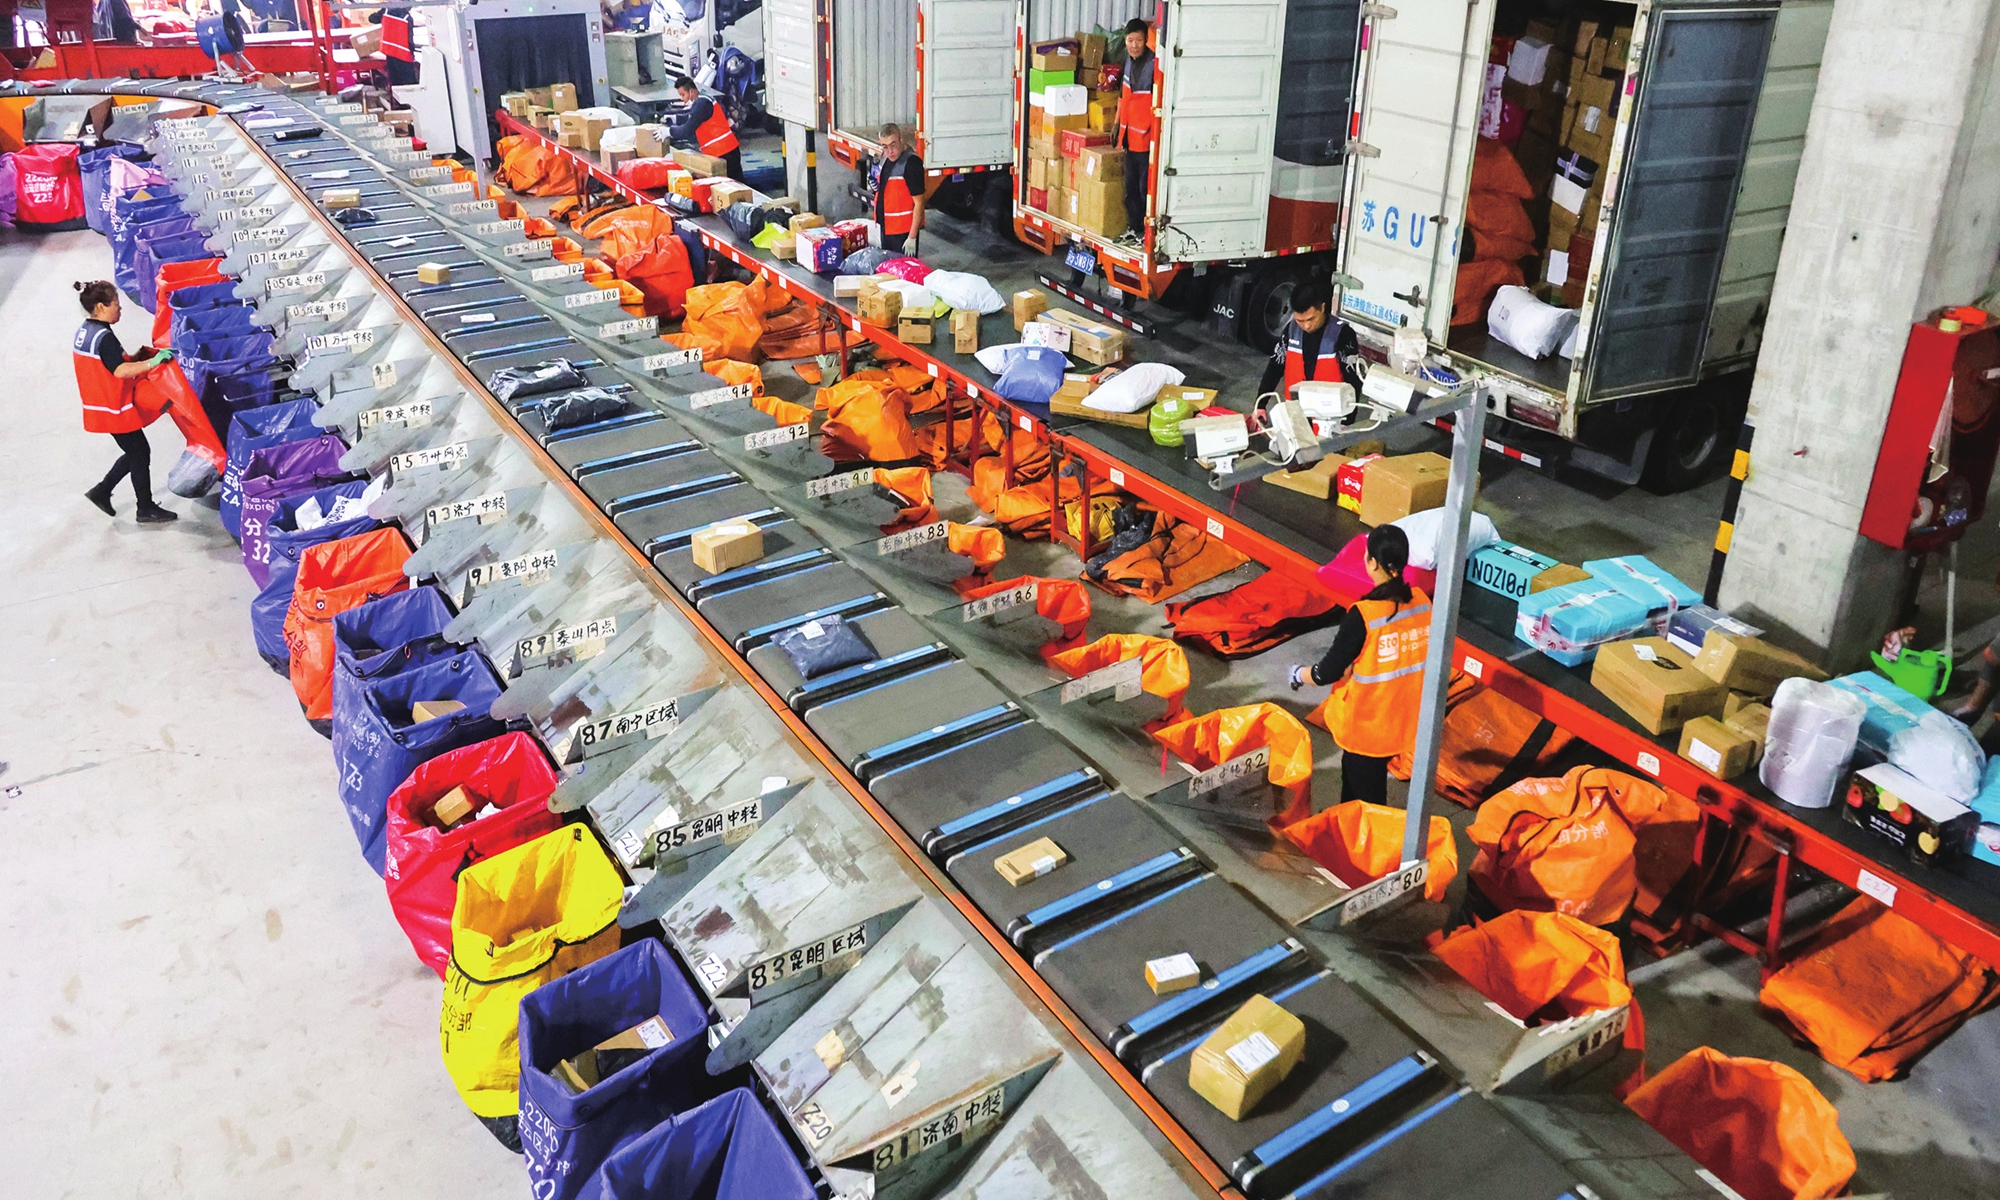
pixel 930 700
pixel 1006 771
pixel 889 633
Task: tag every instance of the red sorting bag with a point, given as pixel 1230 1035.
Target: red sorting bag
pixel 510 773
pixel 48 186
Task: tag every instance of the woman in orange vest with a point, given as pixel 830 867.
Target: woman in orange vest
pixel 1376 666
pixel 707 126
pixel 1135 124
pixel 896 189
pixel 108 382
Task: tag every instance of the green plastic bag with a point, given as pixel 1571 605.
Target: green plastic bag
pixel 1164 421
pixel 768 236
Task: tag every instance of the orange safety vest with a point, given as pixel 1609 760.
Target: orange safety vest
pixel 109 403
pixel 1373 711
pixel 895 207
pixel 714 135
pixel 1135 109
pixel 1326 367
pixel 396 37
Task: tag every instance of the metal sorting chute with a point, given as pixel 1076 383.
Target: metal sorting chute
pixel 356 349
pixel 813 888
pixel 398 382
pixel 538 535
pixel 353 305
pixel 908 1061
pixel 1065 1142
pixel 592 596
pixel 1609 1148
pixel 445 470
pixel 385 431
pixel 685 801
pixel 630 693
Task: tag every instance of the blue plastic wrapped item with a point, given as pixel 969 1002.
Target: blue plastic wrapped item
pixel 823 646
pixel 1644 580
pixel 1891 710
pixel 1032 374
pixel 1570 622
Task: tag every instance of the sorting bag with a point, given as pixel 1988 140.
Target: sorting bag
pixel 511 775
pixel 1251 618
pixel 332 578
pixel 1568 844
pixel 565 1137
pixel 274 474
pixel 250 432
pixel 1063 601
pixel 1762 1127
pixel 386 637
pixel 727 1149
pixel 285 542
pixel 1214 738
pixel 48 187
pixel 379 742
pixel 1163 666
pixel 1361 842
pixel 520 919
pixel 1540 966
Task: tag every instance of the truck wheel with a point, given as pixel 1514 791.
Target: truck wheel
pixel 1694 438
pixel 1267 305
pixel 996 206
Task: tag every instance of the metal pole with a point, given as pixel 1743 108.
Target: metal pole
pixel 812 170
pixel 1468 433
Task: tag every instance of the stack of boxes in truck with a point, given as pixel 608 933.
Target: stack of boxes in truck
pixel 1074 173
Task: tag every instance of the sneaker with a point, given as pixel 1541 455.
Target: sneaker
pixel 155 515
pixel 101 497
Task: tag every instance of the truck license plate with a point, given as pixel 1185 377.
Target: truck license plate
pixel 1082 259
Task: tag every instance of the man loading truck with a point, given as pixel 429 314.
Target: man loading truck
pixel 707 127
pixel 1135 125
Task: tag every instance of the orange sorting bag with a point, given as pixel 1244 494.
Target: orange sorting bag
pixel 983 544
pixel 1490 744
pixel 1064 601
pixel 784 412
pixel 866 422
pixel 1362 842
pixel 1872 992
pixel 1214 738
pixel 1249 619
pixel 1566 844
pixel 1163 666
pixel 732 372
pixel 334 577
pixel 628 230
pixel 1762 1127
pixel 661 273
pixel 1540 966
pixel 725 319
pixel 1179 555
pixel 912 489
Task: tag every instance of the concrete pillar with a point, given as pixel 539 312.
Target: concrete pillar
pixel 1896 213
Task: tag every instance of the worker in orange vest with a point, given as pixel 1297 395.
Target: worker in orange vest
pixel 1308 348
pixel 108 383
pixel 1136 124
pixel 707 126
pixel 1376 667
pixel 896 189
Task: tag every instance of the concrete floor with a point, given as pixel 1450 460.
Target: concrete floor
pixel 207 993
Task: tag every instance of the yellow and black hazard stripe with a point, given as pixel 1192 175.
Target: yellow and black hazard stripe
pixel 1739 470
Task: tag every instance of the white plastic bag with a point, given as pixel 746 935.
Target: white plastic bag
pixel 618 117
pixel 1526 324
pixel 1810 736
pixel 1942 753
pixel 1133 388
pixel 994 358
pixel 1424 529
pixel 619 139
pixel 916 297
pixel 963 290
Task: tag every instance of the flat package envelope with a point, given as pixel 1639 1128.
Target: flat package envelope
pixel 785 599
pixel 782 538
pixel 889 633
pixel 854 725
pixel 1101 838
pixel 967 778
pixel 631 434
pixel 1102 973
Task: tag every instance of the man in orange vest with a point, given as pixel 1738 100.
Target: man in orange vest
pixel 707 126
pixel 896 189
pixel 1308 349
pixel 1376 665
pixel 1135 124
pixel 108 383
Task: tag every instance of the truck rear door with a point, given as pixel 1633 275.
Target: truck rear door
pixel 791 62
pixel 1217 126
pixel 965 74
pixel 1423 76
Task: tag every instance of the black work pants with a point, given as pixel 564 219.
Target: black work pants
pixel 1137 164
pixel 1363 778
pixel 135 459
pixel 733 164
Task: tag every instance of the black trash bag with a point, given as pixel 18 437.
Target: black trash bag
pixel 585 407
pixel 550 375
pixel 352 217
pixel 744 219
pixel 1131 528
pixel 823 646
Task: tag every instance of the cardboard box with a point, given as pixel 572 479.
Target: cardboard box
pixel 1586 32
pixel 1174 973
pixel 1749 664
pixel 1039 82
pixel 1655 684
pixel 1099 207
pixel 650 141
pixel 578 1074
pixel 431 272
pixel 964 330
pixel 1752 721
pixel 1717 748
pixel 805 221
pixel 1030 862
pixel 725 192
pixel 562 97
pixel 820 250
pixel 1028 305
pixel 1101 116
pixel 701 164
pixel 341 198
pixel 1618 49
pixel 570 141
pixel 915 331
pixel 1251 1053
pixel 1075 141
pixel 649 1034
pixel 1101 163
pixel 1099 345
pixel 611 159
pixel 852 286
pixel 1409 483
pixel 367 41
pixel 880 308
pixel 1349 479
pixel 1557 576
pixel 516 103
pixel 431 710
pixel 1054 56
pixel 454 806
pixel 1090 51
pixel 727 545
pixel 1316 481
pixel 541 97
pixel 1038 173
pixel 1073 406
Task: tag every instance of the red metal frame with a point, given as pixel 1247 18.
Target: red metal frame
pixel 1730 806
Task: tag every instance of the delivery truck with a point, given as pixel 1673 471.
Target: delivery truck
pixel 942 69
pixel 1659 142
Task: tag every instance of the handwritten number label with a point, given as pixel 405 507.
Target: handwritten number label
pixel 1242 767
pixel 449 455
pixel 999 602
pixel 767 975
pixel 910 539
pixel 764 439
